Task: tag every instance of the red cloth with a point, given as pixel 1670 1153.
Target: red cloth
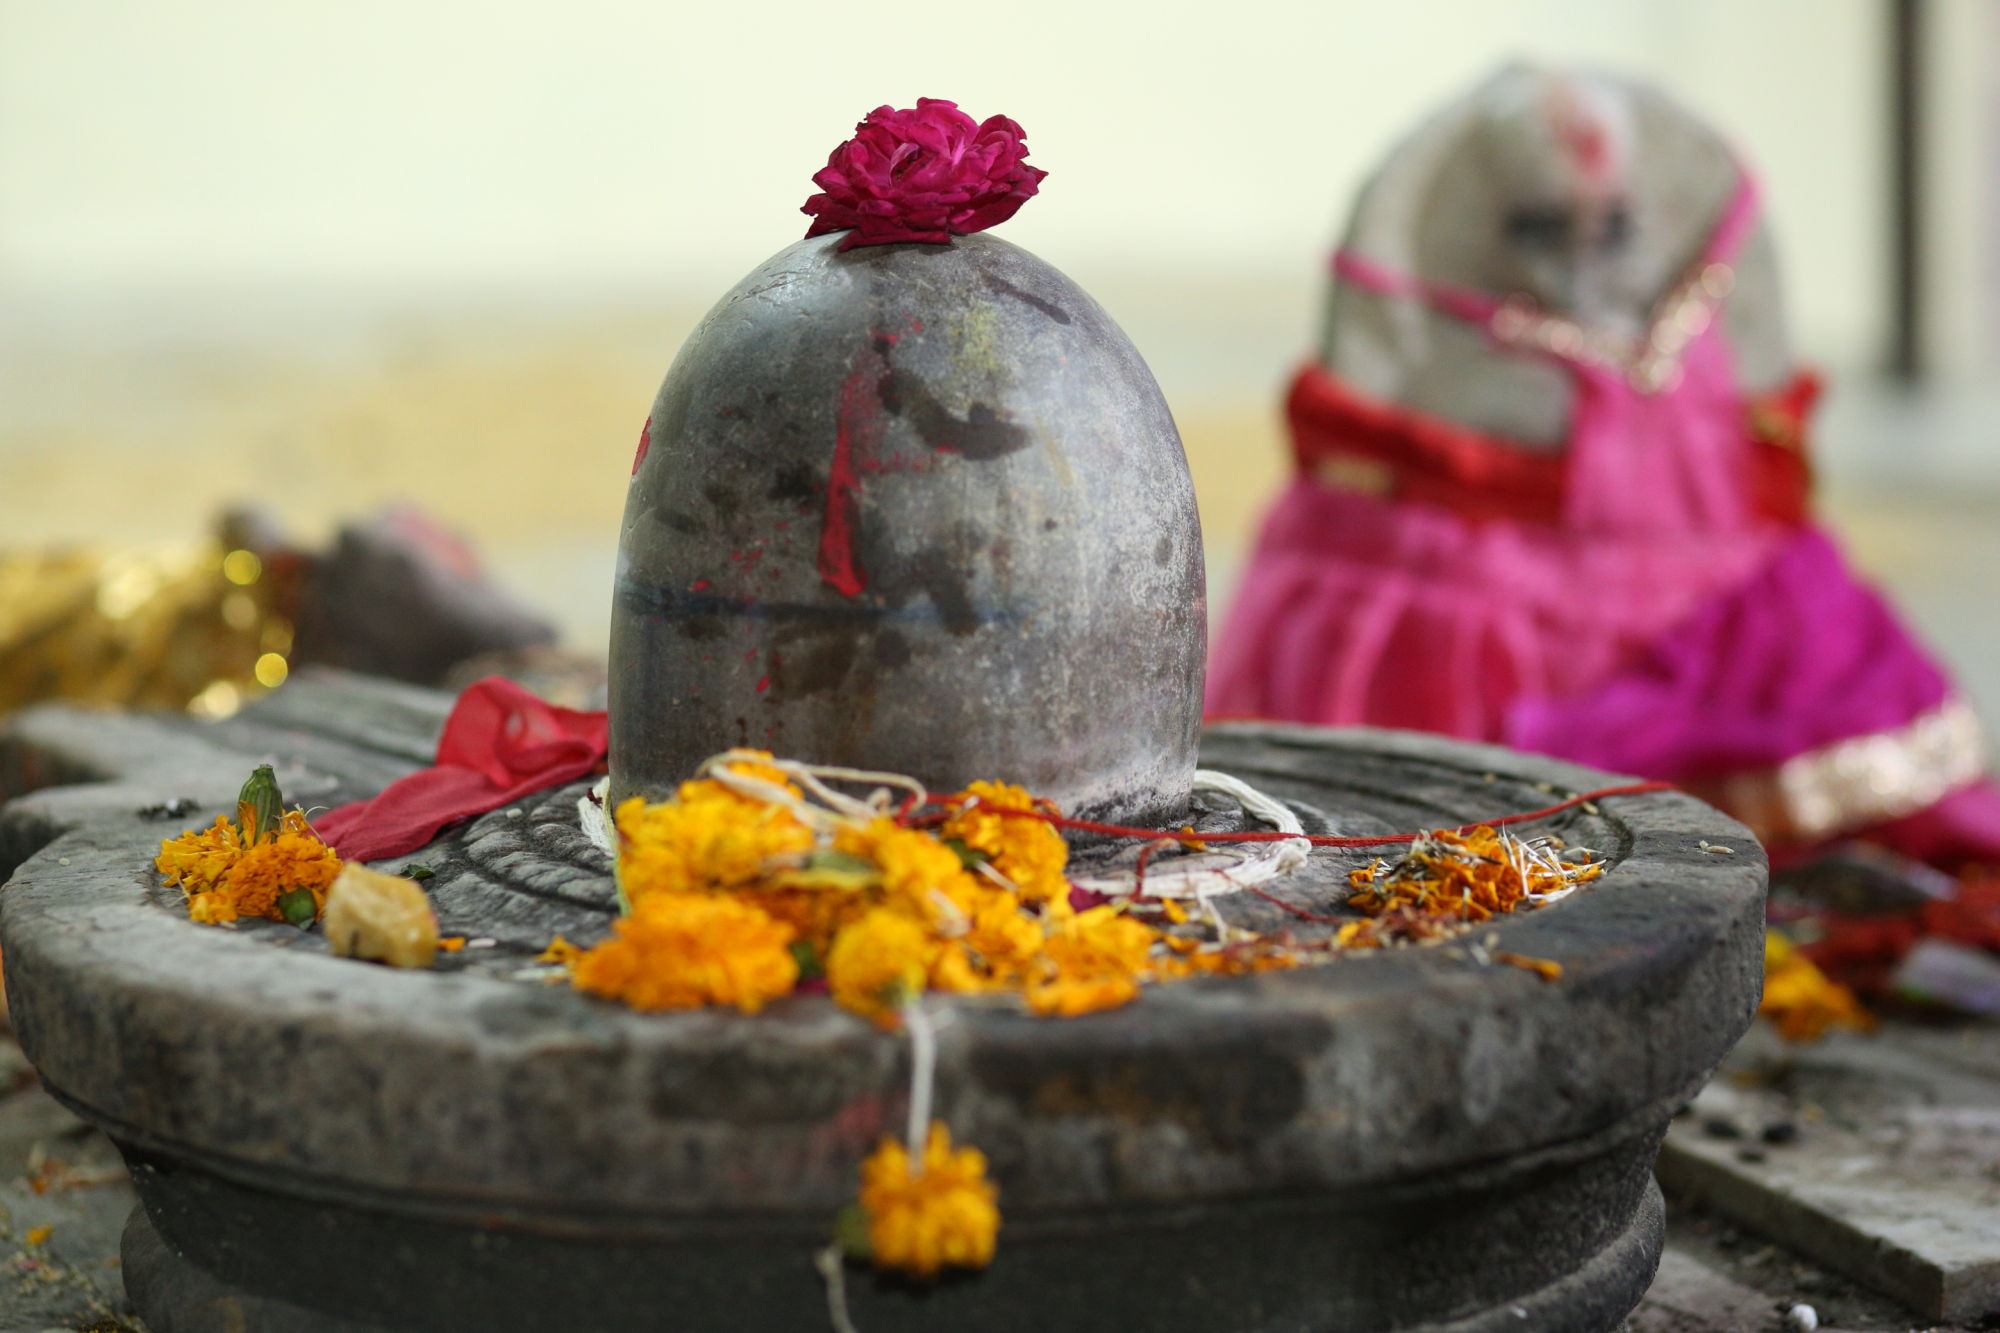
pixel 499 744
pixel 1864 951
pixel 1433 461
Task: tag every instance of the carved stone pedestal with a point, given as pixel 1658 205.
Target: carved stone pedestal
pixel 1411 1140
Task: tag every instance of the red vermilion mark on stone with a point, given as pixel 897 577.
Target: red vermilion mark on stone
pixel 699 585
pixel 763 683
pixel 837 567
pixel 645 443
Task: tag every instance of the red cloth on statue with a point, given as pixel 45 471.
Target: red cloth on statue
pixel 499 744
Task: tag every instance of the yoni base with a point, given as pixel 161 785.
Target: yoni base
pixel 175 1295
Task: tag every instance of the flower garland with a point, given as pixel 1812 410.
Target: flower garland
pixel 760 876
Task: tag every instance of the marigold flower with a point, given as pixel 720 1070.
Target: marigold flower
pixel 878 962
pixel 707 838
pixel 1092 961
pixel 946 1215
pixel 685 950
pixel 225 879
pixel 1030 853
pixel 920 875
pixel 1802 1001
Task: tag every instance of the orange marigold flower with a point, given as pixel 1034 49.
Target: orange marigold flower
pixel 559 951
pixel 944 1215
pixel 1092 961
pixel 685 950
pixel 226 879
pixel 1802 1001
pixel 706 838
pixel 1030 853
pixel 920 875
pixel 879 962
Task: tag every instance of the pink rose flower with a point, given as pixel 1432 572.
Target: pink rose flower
pixel 926 174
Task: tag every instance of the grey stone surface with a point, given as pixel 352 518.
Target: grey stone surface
pixel 919 508
pixel 1889 1172
pixel 1156 1163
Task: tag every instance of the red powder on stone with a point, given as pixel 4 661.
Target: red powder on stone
pixel 645 443
pixel 837 567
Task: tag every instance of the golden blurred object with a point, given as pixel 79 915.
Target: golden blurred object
pixel 1802 1001
pixel 381 917
pixel 201 626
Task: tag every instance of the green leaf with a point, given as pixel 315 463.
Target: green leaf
pixel 968 856
pixel 297 906
pixel 260 808
pixel 807 957
pixel 850 1232
pixel 845 863
pixel 419 873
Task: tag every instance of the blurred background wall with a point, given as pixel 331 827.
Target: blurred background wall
pixel 330 255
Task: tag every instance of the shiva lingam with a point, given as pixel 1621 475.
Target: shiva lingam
pixel 908 500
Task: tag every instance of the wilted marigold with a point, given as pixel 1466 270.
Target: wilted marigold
pixel 685 950
pixel 946 1216
pixel 1030 853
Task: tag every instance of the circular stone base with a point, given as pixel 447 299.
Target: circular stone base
pixel 1411 1138
pixel 175 1295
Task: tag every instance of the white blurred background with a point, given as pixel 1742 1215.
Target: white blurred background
pixel 330 255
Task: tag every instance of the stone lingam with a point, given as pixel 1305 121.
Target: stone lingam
pixel 912 503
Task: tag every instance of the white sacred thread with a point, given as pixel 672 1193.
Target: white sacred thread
pixel 1224 869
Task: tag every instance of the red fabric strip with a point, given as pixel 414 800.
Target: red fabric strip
pixel 499 744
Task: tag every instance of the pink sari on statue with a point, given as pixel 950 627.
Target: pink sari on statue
pixel 1651 600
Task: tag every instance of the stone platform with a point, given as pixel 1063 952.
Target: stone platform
pixel 1410 1140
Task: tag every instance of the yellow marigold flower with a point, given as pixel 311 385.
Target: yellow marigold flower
pixel 686 950
pixel 225 879
pixel 707 838
pixel 919 874
pixel 878 962
pixel 1092 961
pixel 559 951
pixel 945 1216
pixel 1001 938
pixel 197 860
pixel 1802 1001
pixel 1030 853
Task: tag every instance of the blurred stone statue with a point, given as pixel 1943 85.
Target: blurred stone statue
pixel 1551 488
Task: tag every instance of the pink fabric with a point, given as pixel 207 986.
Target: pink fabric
pixel 1363 610
pixel 1660 625
pixel 1464 303
pixel 499 744
pixel 1797 656
pixel 1357 610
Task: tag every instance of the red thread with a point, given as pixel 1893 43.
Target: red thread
pixel 1297 911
